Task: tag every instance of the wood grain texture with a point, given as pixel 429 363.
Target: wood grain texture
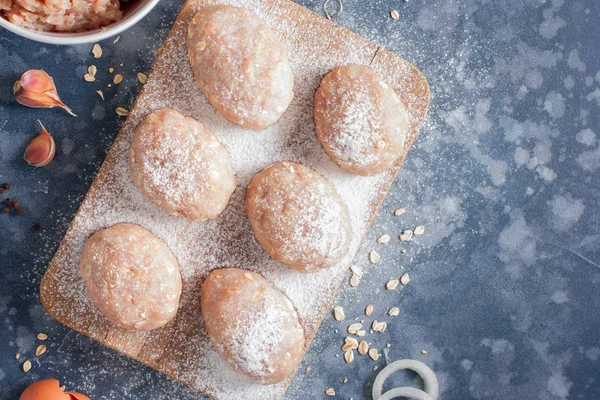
pixel 181 349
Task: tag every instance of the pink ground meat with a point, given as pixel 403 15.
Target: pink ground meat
pixel 61 15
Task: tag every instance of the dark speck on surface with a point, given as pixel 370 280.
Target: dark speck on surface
pixel 503 291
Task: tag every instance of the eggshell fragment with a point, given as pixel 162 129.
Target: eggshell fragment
pixel 47 389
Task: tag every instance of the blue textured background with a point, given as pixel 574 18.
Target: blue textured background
pixel 504 176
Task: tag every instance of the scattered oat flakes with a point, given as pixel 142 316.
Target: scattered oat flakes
pixel 26 366
pixel 142 78
pixel 41 349
pixel 403 251
pixel 373 354
pixel 404 279
pixel 121 111
pixel 379 326
pixel 423 352
pixel 383 239
pixel 111 70
pixel 101 94
pixel 388 345
pixel 369 309
pixel 17 356
pixel 117 79
pixel 354 328
pixel 361 333
pixel 419 230
pixel 307 369
pixel 375 368
pixel 345 380
pixel 349 356
pixel 330 392
pixel 97 51
pixel 394 14
pixel 374 257
pixel 399 212
pixel 117 39
pixel 392 284
pixel 42 336
pixel 338 313
pixel 394 311
pixel 406 236
pixel 363 347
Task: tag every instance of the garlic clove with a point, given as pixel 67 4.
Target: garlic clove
pixel 41 149
pixel 35 88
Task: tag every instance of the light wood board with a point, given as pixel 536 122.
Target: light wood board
pixel 182 349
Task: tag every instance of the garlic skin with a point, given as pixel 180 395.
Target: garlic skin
pixel 41 149
pixel 35 88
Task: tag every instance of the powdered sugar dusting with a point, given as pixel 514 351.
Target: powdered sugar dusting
pixel 252 94
pixel 182 349
pixel 359 120
pixel 298 217
pixel 352 144
pixel 261 334
pixel 181 166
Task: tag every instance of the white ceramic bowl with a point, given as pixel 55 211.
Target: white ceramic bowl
pixel 131 16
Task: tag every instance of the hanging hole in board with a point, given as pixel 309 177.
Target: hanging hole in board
pixel 338 10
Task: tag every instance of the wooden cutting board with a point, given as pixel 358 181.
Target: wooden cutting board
pixel 182 349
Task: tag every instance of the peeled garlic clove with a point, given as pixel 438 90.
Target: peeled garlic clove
pixel 35 88
pixel 41 150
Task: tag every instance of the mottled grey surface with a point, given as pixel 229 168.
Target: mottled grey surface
pixel 504 282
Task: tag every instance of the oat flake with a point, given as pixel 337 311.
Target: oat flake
pixel 349 356
pixel 26 366
pixel 399 212
pixel 41 349
pixel 392 284
pixel 406 236
pixel 121 111
pixel 374 257
pixel 354 328
pixel 373 354
pixel 338 313
pixel 97 51
pixel 404 279
pixel 363 347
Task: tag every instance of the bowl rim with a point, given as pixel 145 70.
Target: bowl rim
pixel 65 38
